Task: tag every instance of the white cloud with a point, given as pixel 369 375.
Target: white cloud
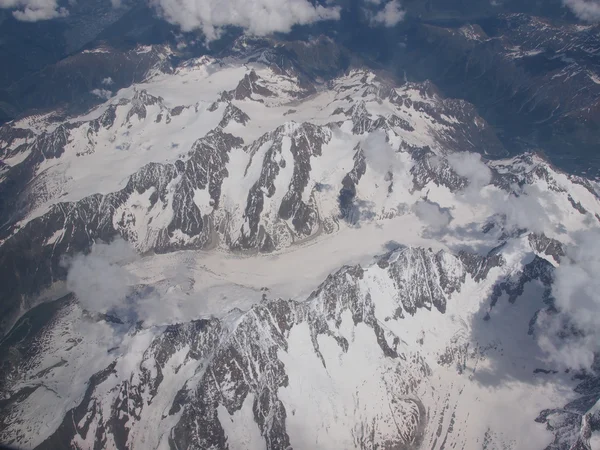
pixel 108 81
pixel 380 156
pixel 102 283
pixel 389 16
pixel 34 10
pixel 572 336
pixel 102 93
pixel 257 17
pixel 435 217
pixel 531 208
pixel 470 166
pixel 525 206
pixel 587 10
pixel 98 280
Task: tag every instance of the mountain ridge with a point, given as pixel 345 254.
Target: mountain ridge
pixel 260 251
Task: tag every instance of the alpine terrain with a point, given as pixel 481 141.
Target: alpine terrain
pixel 283 244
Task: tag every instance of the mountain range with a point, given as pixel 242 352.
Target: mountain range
pixel 290 243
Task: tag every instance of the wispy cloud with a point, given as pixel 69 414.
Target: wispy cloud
pixel 390 15
pixel 102 93
pixel 587 10
pixel 98 278
pixel 572 335
pixel 257 17
pixel 34 10
pixel 527 207
pixel 380 156
pixel 103 283
pixel 432 215
pixel 470 166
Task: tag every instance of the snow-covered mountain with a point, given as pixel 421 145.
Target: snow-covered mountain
pixel 300 259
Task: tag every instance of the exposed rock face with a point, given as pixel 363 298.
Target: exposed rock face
pixel 349 183
pixel 248 86
pixel 234 114
pixel 547 246
pixel 573 423
pixel 12 139
pixel 431 168
pixel 302 142
pixel 414 292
